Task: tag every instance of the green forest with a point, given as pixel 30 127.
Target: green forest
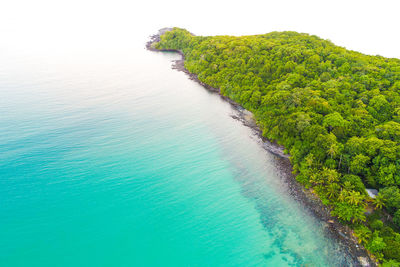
pixel 336 111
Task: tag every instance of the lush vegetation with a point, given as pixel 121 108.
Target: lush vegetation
pixel 336 111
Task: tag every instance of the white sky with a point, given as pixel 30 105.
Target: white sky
pixel 371 27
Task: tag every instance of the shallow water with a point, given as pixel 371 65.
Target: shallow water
pixel 111 158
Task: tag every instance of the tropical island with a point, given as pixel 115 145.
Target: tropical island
pixel 336 112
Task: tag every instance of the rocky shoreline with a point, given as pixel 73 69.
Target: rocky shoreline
pixel 334 228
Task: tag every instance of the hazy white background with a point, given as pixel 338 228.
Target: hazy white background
pixel 72 26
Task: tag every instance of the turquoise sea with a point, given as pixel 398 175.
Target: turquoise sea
pixel 112 158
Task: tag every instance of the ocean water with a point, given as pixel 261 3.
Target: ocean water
pixel 111 158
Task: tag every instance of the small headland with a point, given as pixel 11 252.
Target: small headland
pixel 334 229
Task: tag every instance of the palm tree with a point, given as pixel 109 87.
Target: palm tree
pixel 358 215
pixel 354 197
pixel 348 186
pixel 309 160
pixel 333 190
pixel 330 175
pixel 316 178
pixel 379 201
pixel 333 149
pixel 363 234
pixel 343 195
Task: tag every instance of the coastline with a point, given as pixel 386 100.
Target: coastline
pixel 334 229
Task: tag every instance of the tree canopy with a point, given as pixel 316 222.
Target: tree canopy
pixel 336 111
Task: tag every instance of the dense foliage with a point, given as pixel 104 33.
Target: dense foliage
pixel 336 111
